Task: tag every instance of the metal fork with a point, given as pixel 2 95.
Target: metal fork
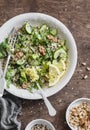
pixel 11 42
pixel 51 109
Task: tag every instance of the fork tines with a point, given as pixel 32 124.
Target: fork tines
pixel 12 37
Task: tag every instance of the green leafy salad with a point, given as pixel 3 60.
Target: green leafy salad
pixel 39 56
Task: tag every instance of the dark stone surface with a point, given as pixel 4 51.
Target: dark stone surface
pixel 75 14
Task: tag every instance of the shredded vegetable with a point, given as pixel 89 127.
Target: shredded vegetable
pixel 35 50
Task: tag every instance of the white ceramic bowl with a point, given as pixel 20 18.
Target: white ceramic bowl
pixel 38 19
pixel 39 121
pixel 74 104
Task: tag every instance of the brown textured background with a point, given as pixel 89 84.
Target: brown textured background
pixel 75 14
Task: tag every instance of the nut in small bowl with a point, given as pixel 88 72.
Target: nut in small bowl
pixel 39 124
pixel 78 114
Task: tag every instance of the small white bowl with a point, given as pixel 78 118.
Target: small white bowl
pixel 74 104
pixel 39 121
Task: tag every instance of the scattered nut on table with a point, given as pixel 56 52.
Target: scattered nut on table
pixel 84 63
pixel 85 77
pixel 88 68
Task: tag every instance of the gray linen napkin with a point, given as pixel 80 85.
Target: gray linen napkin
pixel 9 110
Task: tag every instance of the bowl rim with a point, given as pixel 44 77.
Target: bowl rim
pixel 69 107
pixel 53 90
pixel 35 121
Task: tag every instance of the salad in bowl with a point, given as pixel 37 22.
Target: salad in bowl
pixel 44 53
pixel 39 56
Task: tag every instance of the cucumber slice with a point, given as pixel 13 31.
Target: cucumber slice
pixel 35 56
pixel 43 28
pixel 49 62
pixel 54 61
pixel 53 32
pixel 28 28
pixel 62 42
pixel 61 52
pixel 57 53
pixel 20 62
pixel 37 35
pixel 1 55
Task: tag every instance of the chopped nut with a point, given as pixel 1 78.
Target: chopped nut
pixel 88 68
pixel 66 93
pixel 19 54
pixel 85 77
pixel 82 121
pixel 25 85
pixel 84 63
pixel 42 50
pixel 53 39
pixel 60 101
pixel 80 70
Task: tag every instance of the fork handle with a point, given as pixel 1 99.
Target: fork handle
pixel 51 109
pixel 2 86
pixel 7 62
pixel 2 79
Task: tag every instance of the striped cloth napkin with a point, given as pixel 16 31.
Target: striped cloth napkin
pixel 10 108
